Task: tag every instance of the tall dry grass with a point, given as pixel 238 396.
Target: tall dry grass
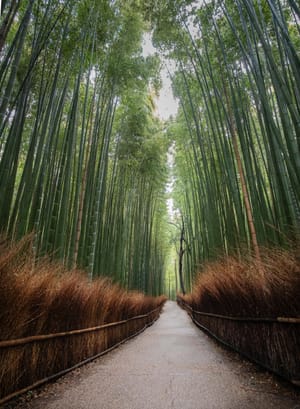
pixel 44 299
pixel 236 288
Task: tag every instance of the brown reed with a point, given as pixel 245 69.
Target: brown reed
pixel 45 298
pixel 236 288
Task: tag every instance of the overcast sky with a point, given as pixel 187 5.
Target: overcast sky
pixel 166 103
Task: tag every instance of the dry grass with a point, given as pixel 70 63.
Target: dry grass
pixel 49 299
pixel 236 288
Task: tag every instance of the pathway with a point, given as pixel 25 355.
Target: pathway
pixel 172 365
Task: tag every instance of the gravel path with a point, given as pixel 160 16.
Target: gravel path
pixel 172 365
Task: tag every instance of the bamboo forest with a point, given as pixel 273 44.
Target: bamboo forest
pixel 84 157
pixel 95 180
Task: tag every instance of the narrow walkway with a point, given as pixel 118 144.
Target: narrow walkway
pixel 172 365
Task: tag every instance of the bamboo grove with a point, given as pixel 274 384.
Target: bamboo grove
pixel 81 154
pixel 237 131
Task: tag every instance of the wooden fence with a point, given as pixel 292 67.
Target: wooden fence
pixel 273 343
pixel 29 362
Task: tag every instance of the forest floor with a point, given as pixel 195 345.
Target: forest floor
pixel 171 365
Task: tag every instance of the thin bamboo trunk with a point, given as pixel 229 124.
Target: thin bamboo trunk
pixel 7 22
pixel 243 182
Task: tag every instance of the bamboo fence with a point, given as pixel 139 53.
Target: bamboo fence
pixel 33 361
pixel 271 342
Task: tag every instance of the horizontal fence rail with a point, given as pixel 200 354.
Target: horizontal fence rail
pixel 287 320
pixel 273 343
pixel 106 337
pixel 35 338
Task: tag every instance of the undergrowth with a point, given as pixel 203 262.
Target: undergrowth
pixel 45 298
pixel 259 295
pixel 242 288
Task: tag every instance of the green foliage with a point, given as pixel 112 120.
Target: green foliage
pixel 80 150
pixel 83 158
pixel 237 79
